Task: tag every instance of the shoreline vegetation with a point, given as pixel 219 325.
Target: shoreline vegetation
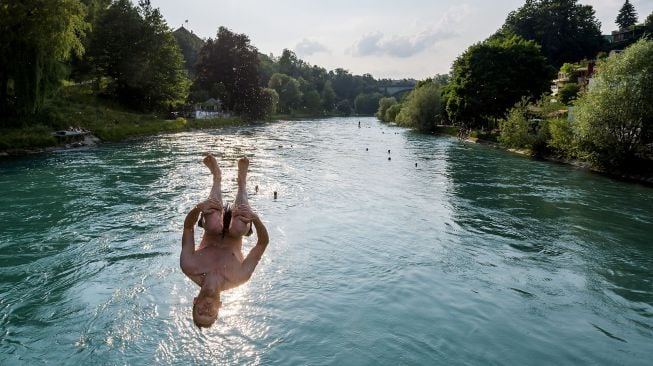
pixel 77 107
pixel 584 99
pixel 113 124
pixel 491 141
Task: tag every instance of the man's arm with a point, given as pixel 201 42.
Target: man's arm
pixel 254 255
pixel 188 240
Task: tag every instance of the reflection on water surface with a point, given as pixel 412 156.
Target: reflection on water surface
pixel 474 256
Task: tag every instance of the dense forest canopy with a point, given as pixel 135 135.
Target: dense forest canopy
pixel 131 55
pixel 36 38
pixel 566 30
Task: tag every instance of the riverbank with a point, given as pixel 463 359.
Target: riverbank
pixel 16 142
pixel 489 139
pixel 78 108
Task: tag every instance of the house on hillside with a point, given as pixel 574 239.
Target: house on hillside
pixel 211 108
pixel 581 75
pixel 624 37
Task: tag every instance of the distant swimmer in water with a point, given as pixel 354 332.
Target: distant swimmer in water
pixel 218 263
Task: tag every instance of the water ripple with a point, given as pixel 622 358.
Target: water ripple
pixel 371 261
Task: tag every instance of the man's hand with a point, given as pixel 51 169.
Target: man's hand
pixel 244 213
pixel 210 204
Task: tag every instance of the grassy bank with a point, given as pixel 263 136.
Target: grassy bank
pixel 76 106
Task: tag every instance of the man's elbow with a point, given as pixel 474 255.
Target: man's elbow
pixel 188 268
pixel 246 276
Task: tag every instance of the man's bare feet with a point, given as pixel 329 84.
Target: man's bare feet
pixel 212 164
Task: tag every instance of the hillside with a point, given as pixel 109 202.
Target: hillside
pixel 190 45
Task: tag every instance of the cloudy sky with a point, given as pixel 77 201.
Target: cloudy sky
pixel 388 39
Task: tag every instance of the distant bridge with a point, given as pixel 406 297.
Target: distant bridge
pixel 394 90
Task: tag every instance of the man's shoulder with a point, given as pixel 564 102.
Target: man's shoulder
pixel 190 264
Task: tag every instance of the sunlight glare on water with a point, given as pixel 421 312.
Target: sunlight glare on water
pixel 449 253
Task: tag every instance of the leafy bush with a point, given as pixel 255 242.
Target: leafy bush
pixel 614 118
pixel 384 105
pixel 392 112
pixel 568 93
pixel 421 110
pixel 561 141
pixel 517 131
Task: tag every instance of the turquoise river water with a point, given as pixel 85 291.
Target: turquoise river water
pixel 473 257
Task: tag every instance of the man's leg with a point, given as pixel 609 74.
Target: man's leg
pixel 216 189
pixel 237 226
pixel 241 195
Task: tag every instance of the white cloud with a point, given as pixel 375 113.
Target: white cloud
pixel 307 47
pixel 404 46
pixel 398 46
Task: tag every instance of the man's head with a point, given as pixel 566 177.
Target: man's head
pixel 205 308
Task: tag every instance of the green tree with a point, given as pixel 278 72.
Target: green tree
pixel 627 16
pixel 227 68
pixel 290 97
pixel 344 107
pixel 519 130
pixel 312 101
pixel 367 103
pixel 36 37
pixel 332 86
pixel 561 141
pixel 81 68
pixel 328 97
pixel 490 77
pixel 566 30
pixel 190 46
pixel 614 118
pixel 289 64
pixel 142 59
pixel 422 108
pixel 343 84
pixel 442 79
pixel 264 104
pixel 568 93
pixel 392 112
pixel 273 98
pixel 266 69
pixel 384 105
